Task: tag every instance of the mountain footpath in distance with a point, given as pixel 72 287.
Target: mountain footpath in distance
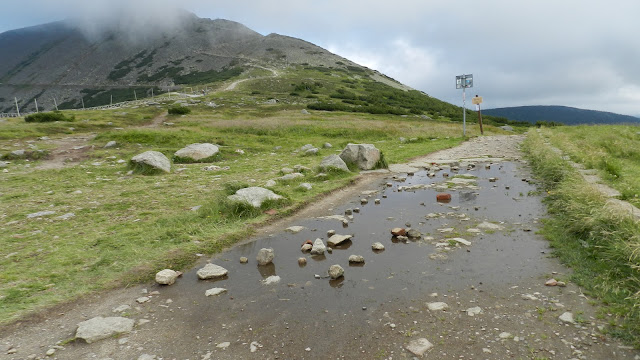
pixel 560 114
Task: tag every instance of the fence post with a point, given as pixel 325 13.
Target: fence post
pixel 17 107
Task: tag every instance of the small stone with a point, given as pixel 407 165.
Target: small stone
pixel 377 246
pixel 306 247
pixel 356 259
pixel 336 271
pixel 567 317
pixel 223 345
pixel 413 234
pixel 419 347
pixel 437 306
pixel 505 335
pixel 376 201
pixel 330 233
pixel 211 271
pixel 338 239
pixel 244 260
pixel 50 352
pixel 215 291
pixel 364 201
pixel 295 229
pixel 265 256
pixel 443 197
pixel 166 277
pixel 273 279
pixel 318 247
pixel 461 241
pixel 398 232
pixel 143 299
pixel 474 311
pixel 551 282
pixel 348 211
pixel 302 261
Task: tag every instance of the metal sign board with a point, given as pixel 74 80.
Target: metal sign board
pixel 464 81
pixel 476 100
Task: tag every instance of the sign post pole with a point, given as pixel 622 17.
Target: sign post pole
pixel 478 100
pixel 463 82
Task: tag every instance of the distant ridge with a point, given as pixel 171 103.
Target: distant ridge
pixel 561 114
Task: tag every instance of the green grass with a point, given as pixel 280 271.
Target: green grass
pixel 600 245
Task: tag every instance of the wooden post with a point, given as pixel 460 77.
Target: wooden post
pixel 55 103
pixel 151 93
pixel 17 107
pixel 82 99
pixel 111 103
pixel 36 100
pixel 135 95
pixel 480 120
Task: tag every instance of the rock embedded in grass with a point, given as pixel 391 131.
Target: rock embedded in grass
pixel 333 162
pixel 197 152
pixel 154 160
pixel 254 196
pixel 365 156
pixel 211 271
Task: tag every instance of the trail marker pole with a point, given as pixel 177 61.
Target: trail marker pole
pixel 111 102
pixel 151 93
pixel 55 103
pixel 82 99
pixel 36 101
pixel 17 107
pixel 477 100
pixel 463 82
pixel 135 95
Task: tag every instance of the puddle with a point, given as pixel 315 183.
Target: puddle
pixel 404 269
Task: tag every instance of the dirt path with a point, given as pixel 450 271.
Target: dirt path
pixel 497 272
pixel 67 151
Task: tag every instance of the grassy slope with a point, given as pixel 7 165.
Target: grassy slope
pixel 601 247
pixel 127 227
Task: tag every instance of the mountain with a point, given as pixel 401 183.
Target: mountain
pixel 561 114
pixel 59 60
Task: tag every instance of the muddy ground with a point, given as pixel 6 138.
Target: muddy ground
pixel 375 310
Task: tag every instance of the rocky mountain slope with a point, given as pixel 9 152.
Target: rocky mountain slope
pixel 58 60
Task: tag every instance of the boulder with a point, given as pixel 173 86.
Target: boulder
pixel 254 196
pixel 365 156
pixel 100 328
pixel 153 159
pixel 211 271
pixel 338 239
pixel 197 152
pixel 333 162
pixel 336 271
pixel 166 277
pixel 265 256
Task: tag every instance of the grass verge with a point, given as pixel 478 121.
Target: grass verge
pixel 601 245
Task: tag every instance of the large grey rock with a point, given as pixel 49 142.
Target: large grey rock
pixel 211 271
pixel 336 271
pixel 366 156
pixel 197 152
pixel 100 328
pixel 289 177
pixel 166 277
pixel 338 239
pixel 154 159
pixel 333 162
pixel 265 256
pixel 254 196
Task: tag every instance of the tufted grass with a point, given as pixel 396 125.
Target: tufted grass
pixel 601 245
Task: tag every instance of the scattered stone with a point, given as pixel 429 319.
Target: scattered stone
pixel 223 345
pixel 419 347
pixel 551 282
pixel 305 186
pixel 364 201
pixel 197 152
pixel 443 197
pixel 215 291
pixel 333 162
pixel 143 299
pixel 111 144
pixel 306 247
pixel 356 259
pixel 474 311
pixel 50 352
pixel 398 232
pixel 338 239
pixel 461 241
pixel 211 271
pixel 254 346
pixel 306 147
pixel 376 201
pixel 99 328
pixel 121 308
pixel 310 152
pixel 490 226
pixel 567 317
pixel 286 171
pixel 327 145
pixel 273 279
pixel 505 335
pixel 365 156
pixel 40 214
pixel 265 256
pixel 437 306
pixel 289 177
pixel 318 247
pixel 336 271
pixel 153 159
pixel 295 229
pixel 413 234
pixel 270 183
pixel 377 246
pixel 166 277
pixel 302 261
pixel 492 179
pixel 254 196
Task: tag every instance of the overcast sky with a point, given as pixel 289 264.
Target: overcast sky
pixel 544 52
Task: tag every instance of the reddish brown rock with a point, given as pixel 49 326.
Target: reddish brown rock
pixel 443 197
pixel 398 232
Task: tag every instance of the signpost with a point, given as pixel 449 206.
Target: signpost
pixel 477 100
pixel 463 82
